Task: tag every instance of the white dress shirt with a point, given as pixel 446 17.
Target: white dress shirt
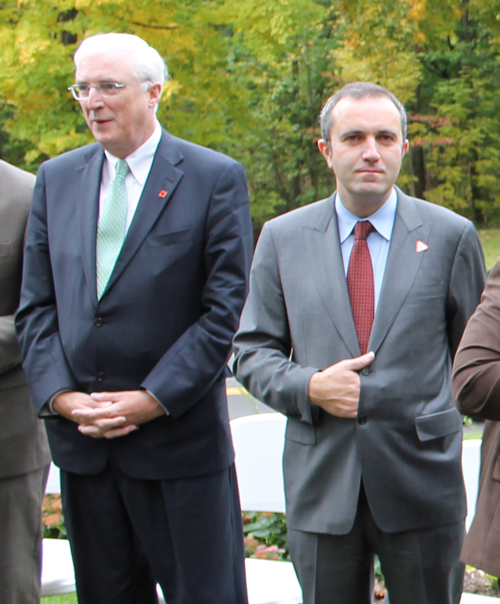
pixel 379 240
pixel 139 162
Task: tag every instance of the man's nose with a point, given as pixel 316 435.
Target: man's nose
pixel 370 152
pixel 95 98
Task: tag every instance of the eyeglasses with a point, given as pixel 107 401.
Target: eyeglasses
pixel 82 91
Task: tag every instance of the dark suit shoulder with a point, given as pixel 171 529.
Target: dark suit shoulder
pixel 199 155
pixel 75 157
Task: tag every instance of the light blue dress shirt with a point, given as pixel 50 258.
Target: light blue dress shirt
pixel 379 240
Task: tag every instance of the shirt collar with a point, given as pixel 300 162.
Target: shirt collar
pixel 141 159
pixel 382 220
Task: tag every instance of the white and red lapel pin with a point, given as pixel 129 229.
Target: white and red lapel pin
pixel 420 246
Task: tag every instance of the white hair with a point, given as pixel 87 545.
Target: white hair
pixel 149 65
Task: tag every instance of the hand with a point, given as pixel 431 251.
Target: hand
pixel 65 403
pixel 336 388
pixel 115 414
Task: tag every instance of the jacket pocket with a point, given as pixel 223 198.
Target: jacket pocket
pixel 436 425
pixel 162 239
pixel 299 432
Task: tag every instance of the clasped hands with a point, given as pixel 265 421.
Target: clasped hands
pixel 108 414
pixel 336 389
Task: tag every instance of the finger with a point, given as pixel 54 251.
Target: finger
pixel 359 362
pixel 99 422
pixel 120 431
pixel 110 423
pixel 100 432
pixel 91 415
pixel 92 431
pixel 103 397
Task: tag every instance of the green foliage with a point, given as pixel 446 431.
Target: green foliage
pixel 53 519
pixel 65 599
pixel 490 240
pixel 265 535
pixel 249 79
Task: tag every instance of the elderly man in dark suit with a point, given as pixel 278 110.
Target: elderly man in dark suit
pixel 356 306
pixel 24 452
pixel 135 274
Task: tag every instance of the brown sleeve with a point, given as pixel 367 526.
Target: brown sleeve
pixel 476 370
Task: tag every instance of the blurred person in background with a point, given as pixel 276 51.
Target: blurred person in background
pixel 24 452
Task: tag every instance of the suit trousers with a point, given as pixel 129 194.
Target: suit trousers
pixel 21 532
pixel 127 535
pixel 419 566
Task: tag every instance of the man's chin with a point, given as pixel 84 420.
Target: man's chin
pixel 373 189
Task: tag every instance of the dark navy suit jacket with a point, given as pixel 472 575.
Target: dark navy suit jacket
pixel 166 319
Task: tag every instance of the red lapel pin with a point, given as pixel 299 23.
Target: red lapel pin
pixel 162 193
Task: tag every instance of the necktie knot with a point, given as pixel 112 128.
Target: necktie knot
pixel 121 169
pixel 362 229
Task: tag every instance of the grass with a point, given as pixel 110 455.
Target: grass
pixel 65 599
pixel 490 238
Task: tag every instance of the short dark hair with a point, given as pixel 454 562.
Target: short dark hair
pixel 359 90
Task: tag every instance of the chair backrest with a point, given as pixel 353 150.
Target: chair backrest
pixel 54 480
pixel 471 465
pixel 258 443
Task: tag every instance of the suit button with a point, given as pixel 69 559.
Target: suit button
pixel 98 322
pixel 362 420
pixel 100 376
pixel 365 371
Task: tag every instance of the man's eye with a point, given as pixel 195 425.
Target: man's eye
pixel 110 88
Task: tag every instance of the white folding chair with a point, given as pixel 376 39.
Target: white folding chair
pixel 58 574
pixel 477 599
pixel 471 465
pixel 258 442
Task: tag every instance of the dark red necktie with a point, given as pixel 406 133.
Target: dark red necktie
pixel 360 284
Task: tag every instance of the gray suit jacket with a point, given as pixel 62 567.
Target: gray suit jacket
pixel 406 441
pixel 23 443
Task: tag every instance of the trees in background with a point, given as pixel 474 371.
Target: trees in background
pixel 250 76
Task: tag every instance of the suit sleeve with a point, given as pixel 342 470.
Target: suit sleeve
pixel 43 357
pixel 17 195
pixel 476 371
pixel 263 349
pixel 198 358
pixel 466 285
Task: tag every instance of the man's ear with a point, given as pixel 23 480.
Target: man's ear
pixel 406 146
pixel 154 95
pixel 326 151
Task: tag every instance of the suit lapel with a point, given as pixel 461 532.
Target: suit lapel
pixel 402 267
pixel 323 247
pixel 87 187
pixel 158 190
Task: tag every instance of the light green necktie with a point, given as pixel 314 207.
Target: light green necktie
pixel 112 226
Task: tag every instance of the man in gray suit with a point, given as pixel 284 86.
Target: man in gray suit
pixel 24 453
pixel 373 442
